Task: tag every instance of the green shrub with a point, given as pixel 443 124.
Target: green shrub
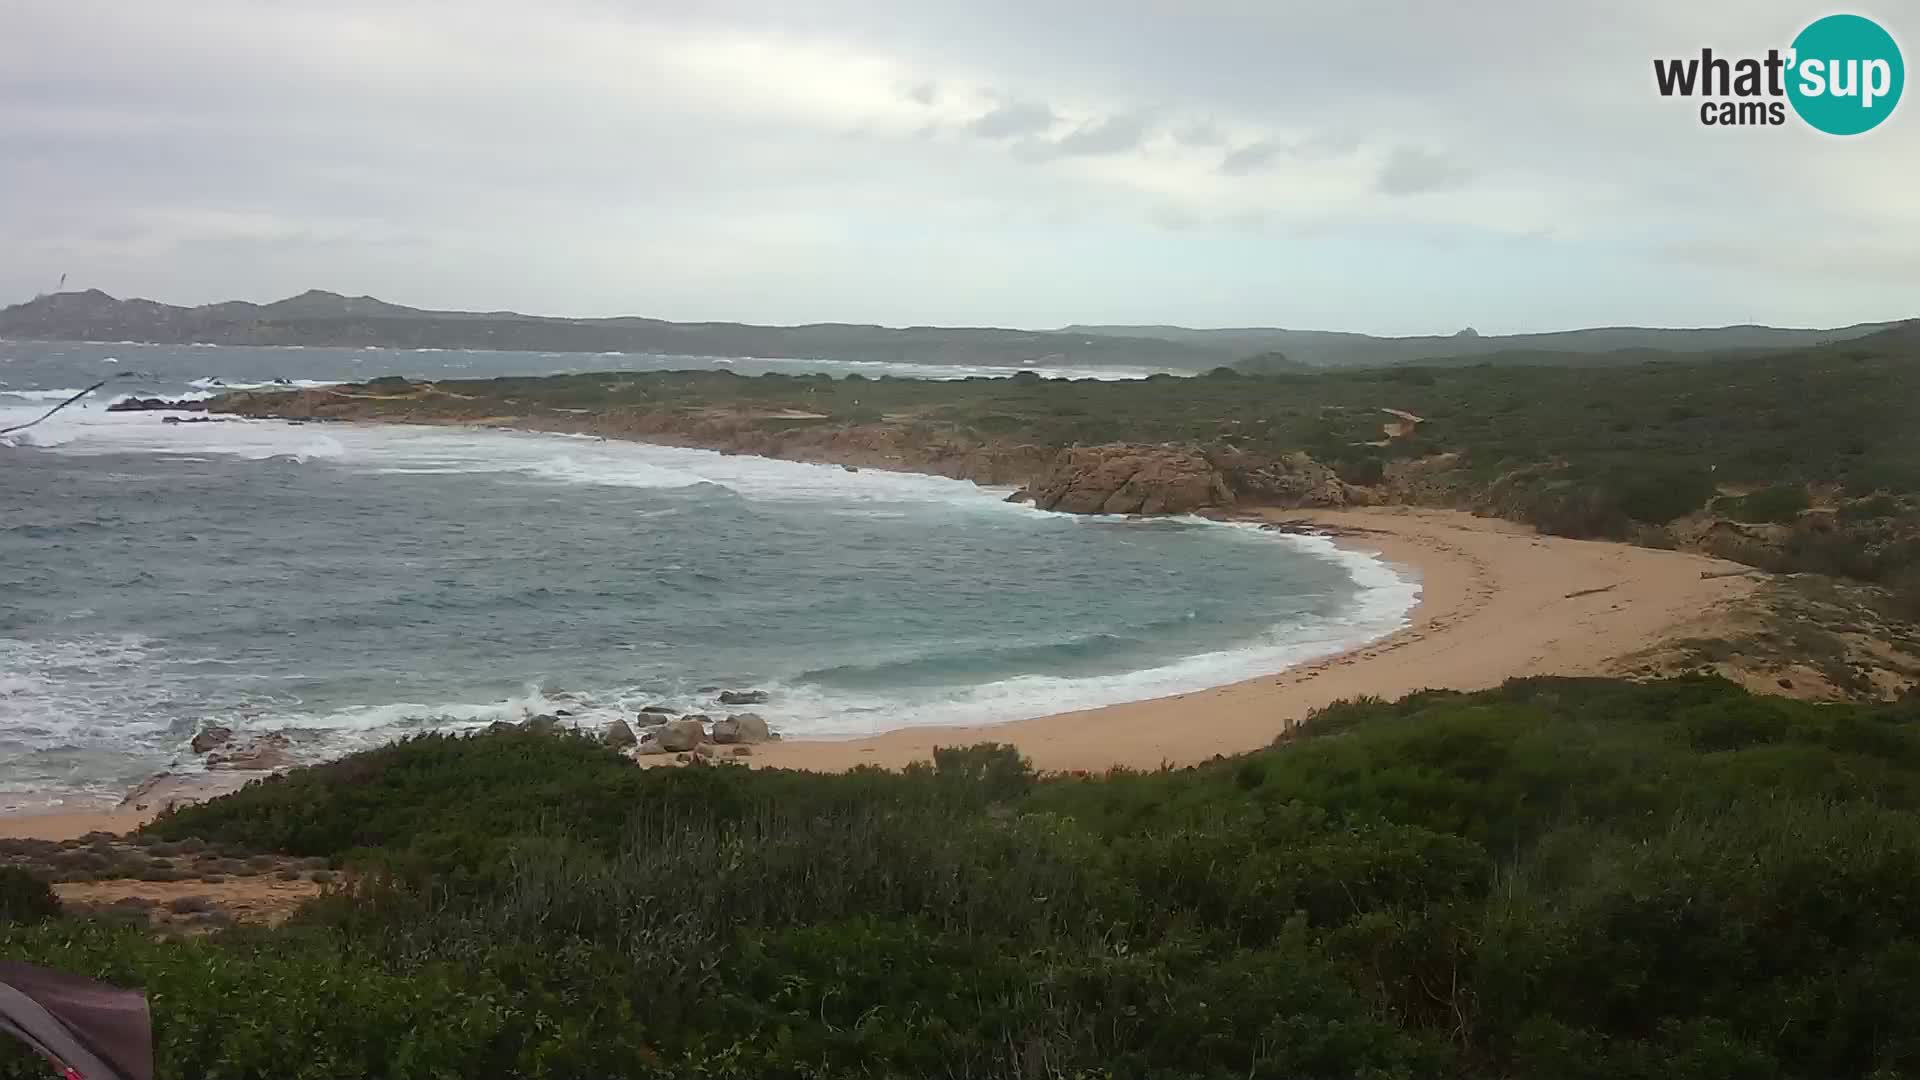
pixel 25 898
pixel 1779 504
pixel 1557 877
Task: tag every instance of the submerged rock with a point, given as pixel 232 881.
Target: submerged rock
pixel 744 697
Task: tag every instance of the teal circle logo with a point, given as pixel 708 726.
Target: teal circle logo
pixel 1845 75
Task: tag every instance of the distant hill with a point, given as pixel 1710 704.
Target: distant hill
pixel 317 317
pixel 1328 348
pixel 324 318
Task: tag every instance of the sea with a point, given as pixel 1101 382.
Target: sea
pixel 351 584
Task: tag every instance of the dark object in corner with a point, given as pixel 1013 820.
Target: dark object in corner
pixel 89 1029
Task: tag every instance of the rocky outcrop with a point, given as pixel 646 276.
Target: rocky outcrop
pixel 135 404
pixel 1113 478
pixel 677 736
pixel 1124 478
pixel 211 738
pixel 741 728
pixel 271 751
pixel 1289 480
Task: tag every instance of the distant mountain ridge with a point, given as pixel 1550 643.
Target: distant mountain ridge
pixel 321 318
pixel 1333 348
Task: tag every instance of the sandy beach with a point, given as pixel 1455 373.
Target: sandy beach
pixel 1498 600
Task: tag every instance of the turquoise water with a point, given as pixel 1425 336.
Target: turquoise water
pixel 352 583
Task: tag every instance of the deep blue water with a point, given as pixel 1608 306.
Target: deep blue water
pixel 352 583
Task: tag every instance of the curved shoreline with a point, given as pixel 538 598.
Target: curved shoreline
pixel 1498 601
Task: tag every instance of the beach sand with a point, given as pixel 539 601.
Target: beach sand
pixel 1497 601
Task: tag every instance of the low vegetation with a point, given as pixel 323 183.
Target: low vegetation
pixel 1557 878
pixel 1792 461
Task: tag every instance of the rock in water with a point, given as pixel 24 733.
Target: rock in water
pixel 744 697
pixel 658 710
pixel 741 728
pixel 217 735
pixel 678 736
pixel 137 404
pixel 272 751
pixel 619 735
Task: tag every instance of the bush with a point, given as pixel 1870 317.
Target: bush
pixel 1779 504
pixel 25 898
pixel 1579 877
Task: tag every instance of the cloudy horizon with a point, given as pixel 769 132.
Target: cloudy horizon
pixel 1391 168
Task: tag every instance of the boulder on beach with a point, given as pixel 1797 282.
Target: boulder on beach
pixel 619 735
pixel 741 728
pixel 681 735
pixel 544 724
pixel 502 727
pixel 744 697
pixel 210 737
pixel 650 744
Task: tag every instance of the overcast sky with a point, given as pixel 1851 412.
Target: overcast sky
pixel 1390 167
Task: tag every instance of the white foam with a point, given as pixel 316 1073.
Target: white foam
pixel 214 383
pixel 553 458
pixel 1383 606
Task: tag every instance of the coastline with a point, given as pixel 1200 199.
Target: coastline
pixel 1498 601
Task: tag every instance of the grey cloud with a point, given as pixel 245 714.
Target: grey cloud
pixel 721 188
pixel 1411 170
pixel 1327 144
pixel 1013 118
pixel 1246 159
pixel 1199 133
pixel 1111 136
